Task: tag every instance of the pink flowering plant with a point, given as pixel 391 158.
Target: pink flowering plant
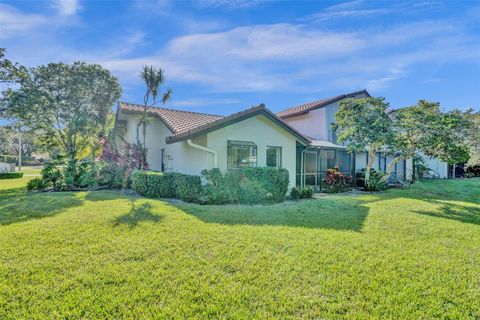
pixel 335 181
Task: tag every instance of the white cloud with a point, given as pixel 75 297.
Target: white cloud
pixel 281 57
pixel 15 23
pixel 229 4
pixel 299 57
pixel 276 41
pixel 67 7
pixel 381 83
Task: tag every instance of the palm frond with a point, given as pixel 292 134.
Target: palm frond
pixel 167 95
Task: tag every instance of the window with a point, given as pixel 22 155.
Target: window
pixel 241 154
pixel 327 159
pixel 344 159
pixel 382 162
pixel 274 157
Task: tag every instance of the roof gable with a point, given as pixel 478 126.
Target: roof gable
pixel 234 118
pixel 307 107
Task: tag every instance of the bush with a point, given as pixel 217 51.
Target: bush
pixel 301 193
pixel 375 183
pixel 469 175
pixel 245 185
pixel 215 191
pixel 153 184
pixel 188 188
pixel 336 181
pixel 52 175
pixel 167 185
pixel 36 184
pixel 473 169
pixel 11 175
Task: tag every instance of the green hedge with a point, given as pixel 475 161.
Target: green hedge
pixel 245 185
pixel 11 175
pixel 167 185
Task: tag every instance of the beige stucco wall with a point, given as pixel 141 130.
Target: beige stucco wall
pixel 317 123
pixel 179 157
pixel 263 132
pixel 183 158
pixel 436 165
pixel 312 124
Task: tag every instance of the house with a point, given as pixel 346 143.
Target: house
pixel 188 142
pixel 315 120
pixel 299 139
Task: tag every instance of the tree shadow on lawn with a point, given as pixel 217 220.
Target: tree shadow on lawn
pixel 136 215
pixel 453 211
pixel 17 205
pixel 108 195
pixel 347 214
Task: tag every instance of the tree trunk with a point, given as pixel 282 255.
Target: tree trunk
pixel 144 149
pixel 371 160
pixel 390 167
pixel 139 145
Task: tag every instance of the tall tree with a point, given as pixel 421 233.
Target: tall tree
pixel 66 103
pixel 153 78
pixel 364 125
pixel 473 137
pixel 11 71
pixel 424 127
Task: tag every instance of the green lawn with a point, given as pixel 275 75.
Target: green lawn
pixel 412 254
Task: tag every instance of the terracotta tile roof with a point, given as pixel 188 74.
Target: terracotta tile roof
pixel 307 107
pixel 233 118
pixel 176 120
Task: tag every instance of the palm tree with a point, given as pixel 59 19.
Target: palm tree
pixel 153 78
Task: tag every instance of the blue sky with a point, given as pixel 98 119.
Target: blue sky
pixel 223 56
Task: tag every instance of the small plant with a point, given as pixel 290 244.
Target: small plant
pixel 469 175
pixel 36 184
pixel 336 181
pixel 301 193
pixel 375 184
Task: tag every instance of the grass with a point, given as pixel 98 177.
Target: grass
pixel 400 254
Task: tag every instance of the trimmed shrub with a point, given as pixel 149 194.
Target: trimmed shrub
pixel 154 184
pixel 188 188
pixel 245 185
pixel 301 193
pixel 11 175
pixel 336 181
pixel 167 185
pixel 215 191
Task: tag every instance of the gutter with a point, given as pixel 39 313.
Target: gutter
pixel 196 146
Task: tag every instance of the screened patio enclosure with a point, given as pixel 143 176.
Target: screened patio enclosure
pixel 314 161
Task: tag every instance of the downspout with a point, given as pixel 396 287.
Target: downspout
pixel 196 146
